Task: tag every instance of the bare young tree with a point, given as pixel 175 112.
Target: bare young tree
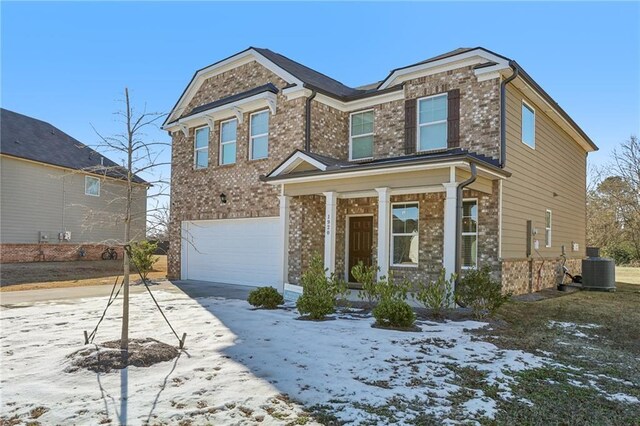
pixel 141 157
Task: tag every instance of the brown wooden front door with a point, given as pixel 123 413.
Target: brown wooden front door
pixel 360 242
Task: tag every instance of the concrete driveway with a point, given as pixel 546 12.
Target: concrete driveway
pixel 191 288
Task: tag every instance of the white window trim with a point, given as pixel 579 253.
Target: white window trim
pixel 470 234
pixel 533 110
pixel 393 234
pixel 420 126
pixel 196 149
pixel 220 158
pixel 549 228
pixel 86 180
pixel 251 137
pixel 360 136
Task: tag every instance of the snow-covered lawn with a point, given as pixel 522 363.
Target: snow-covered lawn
pixel 244 366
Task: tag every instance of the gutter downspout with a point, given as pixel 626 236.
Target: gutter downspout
pixel 472 178
pixel 307 123
pixel 503 113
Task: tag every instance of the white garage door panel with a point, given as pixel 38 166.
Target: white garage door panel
pixel 234 251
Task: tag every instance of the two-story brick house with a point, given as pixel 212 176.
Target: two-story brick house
pixel 459 161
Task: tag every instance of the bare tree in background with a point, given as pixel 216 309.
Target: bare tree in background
pixel 140 157
pixel 613 204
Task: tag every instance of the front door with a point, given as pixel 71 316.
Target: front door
pixel 360 242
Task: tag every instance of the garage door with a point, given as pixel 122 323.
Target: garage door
pixel 234 251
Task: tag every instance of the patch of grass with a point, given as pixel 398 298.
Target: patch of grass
pixel 556 400
pixel 603 362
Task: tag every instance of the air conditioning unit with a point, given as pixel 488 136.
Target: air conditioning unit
pixel 43 237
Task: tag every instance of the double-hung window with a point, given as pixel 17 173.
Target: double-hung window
pixel 547 229
pixel 92 186
pixel 228 130
pixel 201 148
pixel 259 144
pixel 361 138
pixel 528 125
pixel 469 233
pixel 404 234
pixel 432 122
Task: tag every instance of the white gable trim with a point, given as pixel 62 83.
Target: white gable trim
pixel 294 161
pixel 473 57
pixel 236 109
pixel 234 61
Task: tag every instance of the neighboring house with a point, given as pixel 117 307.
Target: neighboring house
pixel 273 161
pixel 59 198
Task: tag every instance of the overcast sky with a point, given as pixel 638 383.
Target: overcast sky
pixel 67 63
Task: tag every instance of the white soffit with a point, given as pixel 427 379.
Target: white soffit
pixel 294 161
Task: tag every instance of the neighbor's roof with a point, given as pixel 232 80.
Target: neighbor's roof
pixel 32 139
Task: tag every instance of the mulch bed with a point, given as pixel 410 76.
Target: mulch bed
pixel 108 356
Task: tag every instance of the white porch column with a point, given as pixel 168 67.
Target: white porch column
pixel 284 226
pixel 330 231
pixel 384 219
pixel 449 248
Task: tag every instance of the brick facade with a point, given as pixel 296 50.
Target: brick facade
pixel 195 194
pixel 17 253
pixel 521 276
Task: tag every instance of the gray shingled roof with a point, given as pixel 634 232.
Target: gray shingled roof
pixel 339 166
pixel 32 139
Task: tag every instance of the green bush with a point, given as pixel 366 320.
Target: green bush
pixel 319 293
pixel 621 253
pixel 436 294
pixel 394 313
pixel 481 293
pixel 265 297
pixel 366 276
pixel 142 255
pixel 388 289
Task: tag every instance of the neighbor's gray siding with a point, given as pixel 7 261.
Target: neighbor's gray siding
pixel 36 197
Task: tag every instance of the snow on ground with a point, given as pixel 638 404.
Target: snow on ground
pixel 242 366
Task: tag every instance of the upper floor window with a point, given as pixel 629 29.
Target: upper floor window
pixel 469 233
pixel 201 148
pixel 404 234
pixel 361 138
pixel 228 131
pixel 528 125
pixel 432 122
pixel 259 143
pixel 547 229
pixel 91 186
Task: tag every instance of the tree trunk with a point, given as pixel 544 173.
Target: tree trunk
pixel 124 338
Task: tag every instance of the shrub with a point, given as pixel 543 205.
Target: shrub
pixel 436 294
pixel 388 289
pixel 366 276
pixel 481 293
pixel 142 255
pixel 265 297
pixel 621 253
pixel 319 293
pixel 394 313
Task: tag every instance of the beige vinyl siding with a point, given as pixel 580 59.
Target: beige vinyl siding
pixel 36 197
pixel 556 165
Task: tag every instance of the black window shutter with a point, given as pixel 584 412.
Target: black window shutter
pixel 410 126
pixel 453 118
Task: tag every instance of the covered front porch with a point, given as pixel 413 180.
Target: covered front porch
pixel 399 217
